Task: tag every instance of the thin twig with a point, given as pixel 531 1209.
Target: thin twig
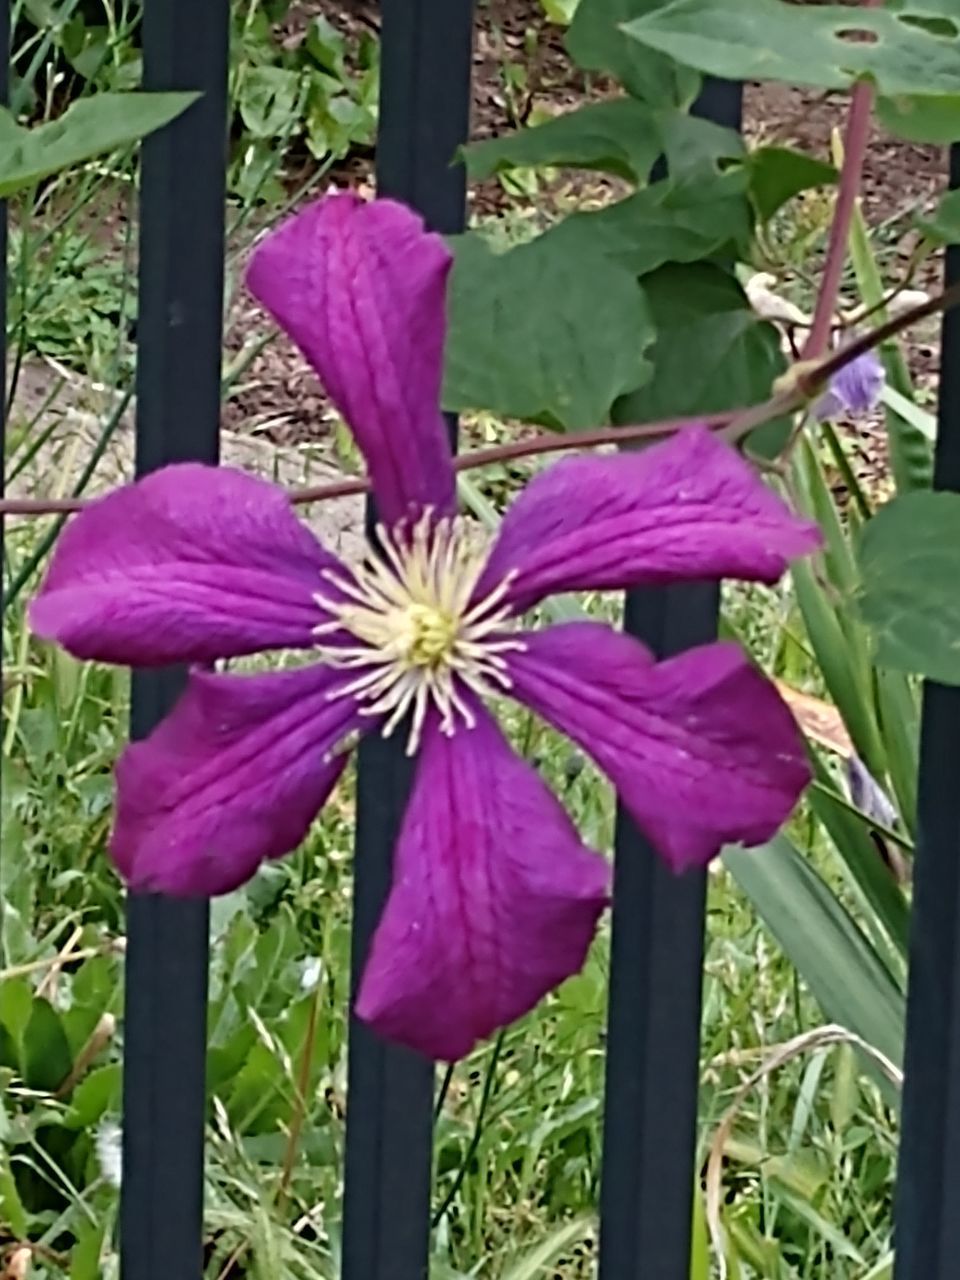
pixel 58 961
pixel 804 382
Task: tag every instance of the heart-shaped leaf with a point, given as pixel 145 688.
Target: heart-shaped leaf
pixel 542 334
pixel 909 556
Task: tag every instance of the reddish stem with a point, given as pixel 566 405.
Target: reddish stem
pixel 856 138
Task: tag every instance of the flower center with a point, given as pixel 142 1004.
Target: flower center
pixel 421 641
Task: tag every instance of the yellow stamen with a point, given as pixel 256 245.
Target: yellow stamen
pixel 420 640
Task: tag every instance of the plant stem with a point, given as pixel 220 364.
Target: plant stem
pixel 855 150
pixel 809 378
pixel 300 1101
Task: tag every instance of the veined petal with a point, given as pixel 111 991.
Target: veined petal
pixel 190 564
pixel 360 287
pixel 234 775
pixel 494 898
pixel 688 509
pixel 701 748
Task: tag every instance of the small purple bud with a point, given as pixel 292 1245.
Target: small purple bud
pixel 854 390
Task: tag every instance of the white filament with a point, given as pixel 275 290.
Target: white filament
pixel 419 638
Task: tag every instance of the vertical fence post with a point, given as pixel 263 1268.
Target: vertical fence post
pixel 179 353
pixel 927 1220
pixel 425 91
pixel 656 972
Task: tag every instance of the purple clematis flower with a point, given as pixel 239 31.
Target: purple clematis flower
pixel 495 899
pixel 854 390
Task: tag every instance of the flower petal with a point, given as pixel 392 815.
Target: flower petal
pixel 235 774
pixel 494 898
pixel 690 508
pixel 190 564
pixel 701 748
pixel 854 390
pixel 360 288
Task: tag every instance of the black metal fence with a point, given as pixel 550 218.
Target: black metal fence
pixel 656 965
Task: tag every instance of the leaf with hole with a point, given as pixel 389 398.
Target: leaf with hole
pixel 544 334
pixel 909 557
pixel 824 46
pixel 89 128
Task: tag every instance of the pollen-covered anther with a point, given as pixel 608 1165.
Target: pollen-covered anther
pixel 422 638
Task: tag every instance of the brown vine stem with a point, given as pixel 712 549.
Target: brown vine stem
pixel 855 150
pixel 803 383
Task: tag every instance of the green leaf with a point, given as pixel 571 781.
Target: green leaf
pixel 542 334
pixel 911 453
pixel 269 100
pixel 909 556
pixel 88 128
pixel 94 1096
pixel 685 219
pixel 806 44
pixel 691 142
pixel 16 1005
pixel 46 1051
pixel 560 11
pixel 597 42
pixel 537 1263
pixel 777 174
pixel 922 119
pixel 85 1255
pixel 843 971
pixel 702 309
pixel 943 225
pixel 619 137
pixel 12 1212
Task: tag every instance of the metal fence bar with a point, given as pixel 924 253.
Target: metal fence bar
pixel 927 1218
pixel 182 205
pixel 425 92
pixel 656 972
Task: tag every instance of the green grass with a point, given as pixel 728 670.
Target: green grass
pixel 809 1170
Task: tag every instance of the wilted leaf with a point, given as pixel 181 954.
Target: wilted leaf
pixel 543 334
pixel 88 128
pixel 909 556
